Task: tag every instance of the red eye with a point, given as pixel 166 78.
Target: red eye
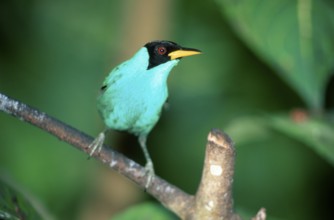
pixel 162 50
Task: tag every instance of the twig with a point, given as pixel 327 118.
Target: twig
pixel 261 215
pixel 214 197
pixel 171 196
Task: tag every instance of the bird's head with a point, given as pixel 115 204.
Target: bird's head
pixel 163 51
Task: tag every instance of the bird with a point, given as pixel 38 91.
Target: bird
pixel 132 96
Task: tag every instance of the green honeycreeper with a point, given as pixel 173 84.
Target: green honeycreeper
pixel 133 94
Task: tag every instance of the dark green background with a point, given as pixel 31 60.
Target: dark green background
pixel 253 73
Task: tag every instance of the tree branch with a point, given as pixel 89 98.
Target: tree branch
pixel 214 197
pixel 261 215
pixel 169 195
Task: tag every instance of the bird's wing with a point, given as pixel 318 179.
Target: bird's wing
pixel 114 75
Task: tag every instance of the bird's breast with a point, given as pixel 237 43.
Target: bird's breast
pixel 134 100
pixel 133 105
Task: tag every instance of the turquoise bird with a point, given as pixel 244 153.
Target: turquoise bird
pixel 133 94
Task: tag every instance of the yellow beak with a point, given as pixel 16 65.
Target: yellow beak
pixel 184 52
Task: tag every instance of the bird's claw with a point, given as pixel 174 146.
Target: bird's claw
pixel 150 173
pixel 96 144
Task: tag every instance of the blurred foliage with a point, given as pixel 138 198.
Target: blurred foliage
pixel 262 59
pixel 14 206
pixel 147 211
pixel 312 132
pixel 295 37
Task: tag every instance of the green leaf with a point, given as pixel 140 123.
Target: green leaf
pixel 147 211
pixel 14 206
pixel 315 133
pixel 248 129
pixel 294 36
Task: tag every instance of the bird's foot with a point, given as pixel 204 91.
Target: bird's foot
pixel 96 144
pixel 150 173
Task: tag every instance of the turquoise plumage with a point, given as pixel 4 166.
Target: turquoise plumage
pixel 133 94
